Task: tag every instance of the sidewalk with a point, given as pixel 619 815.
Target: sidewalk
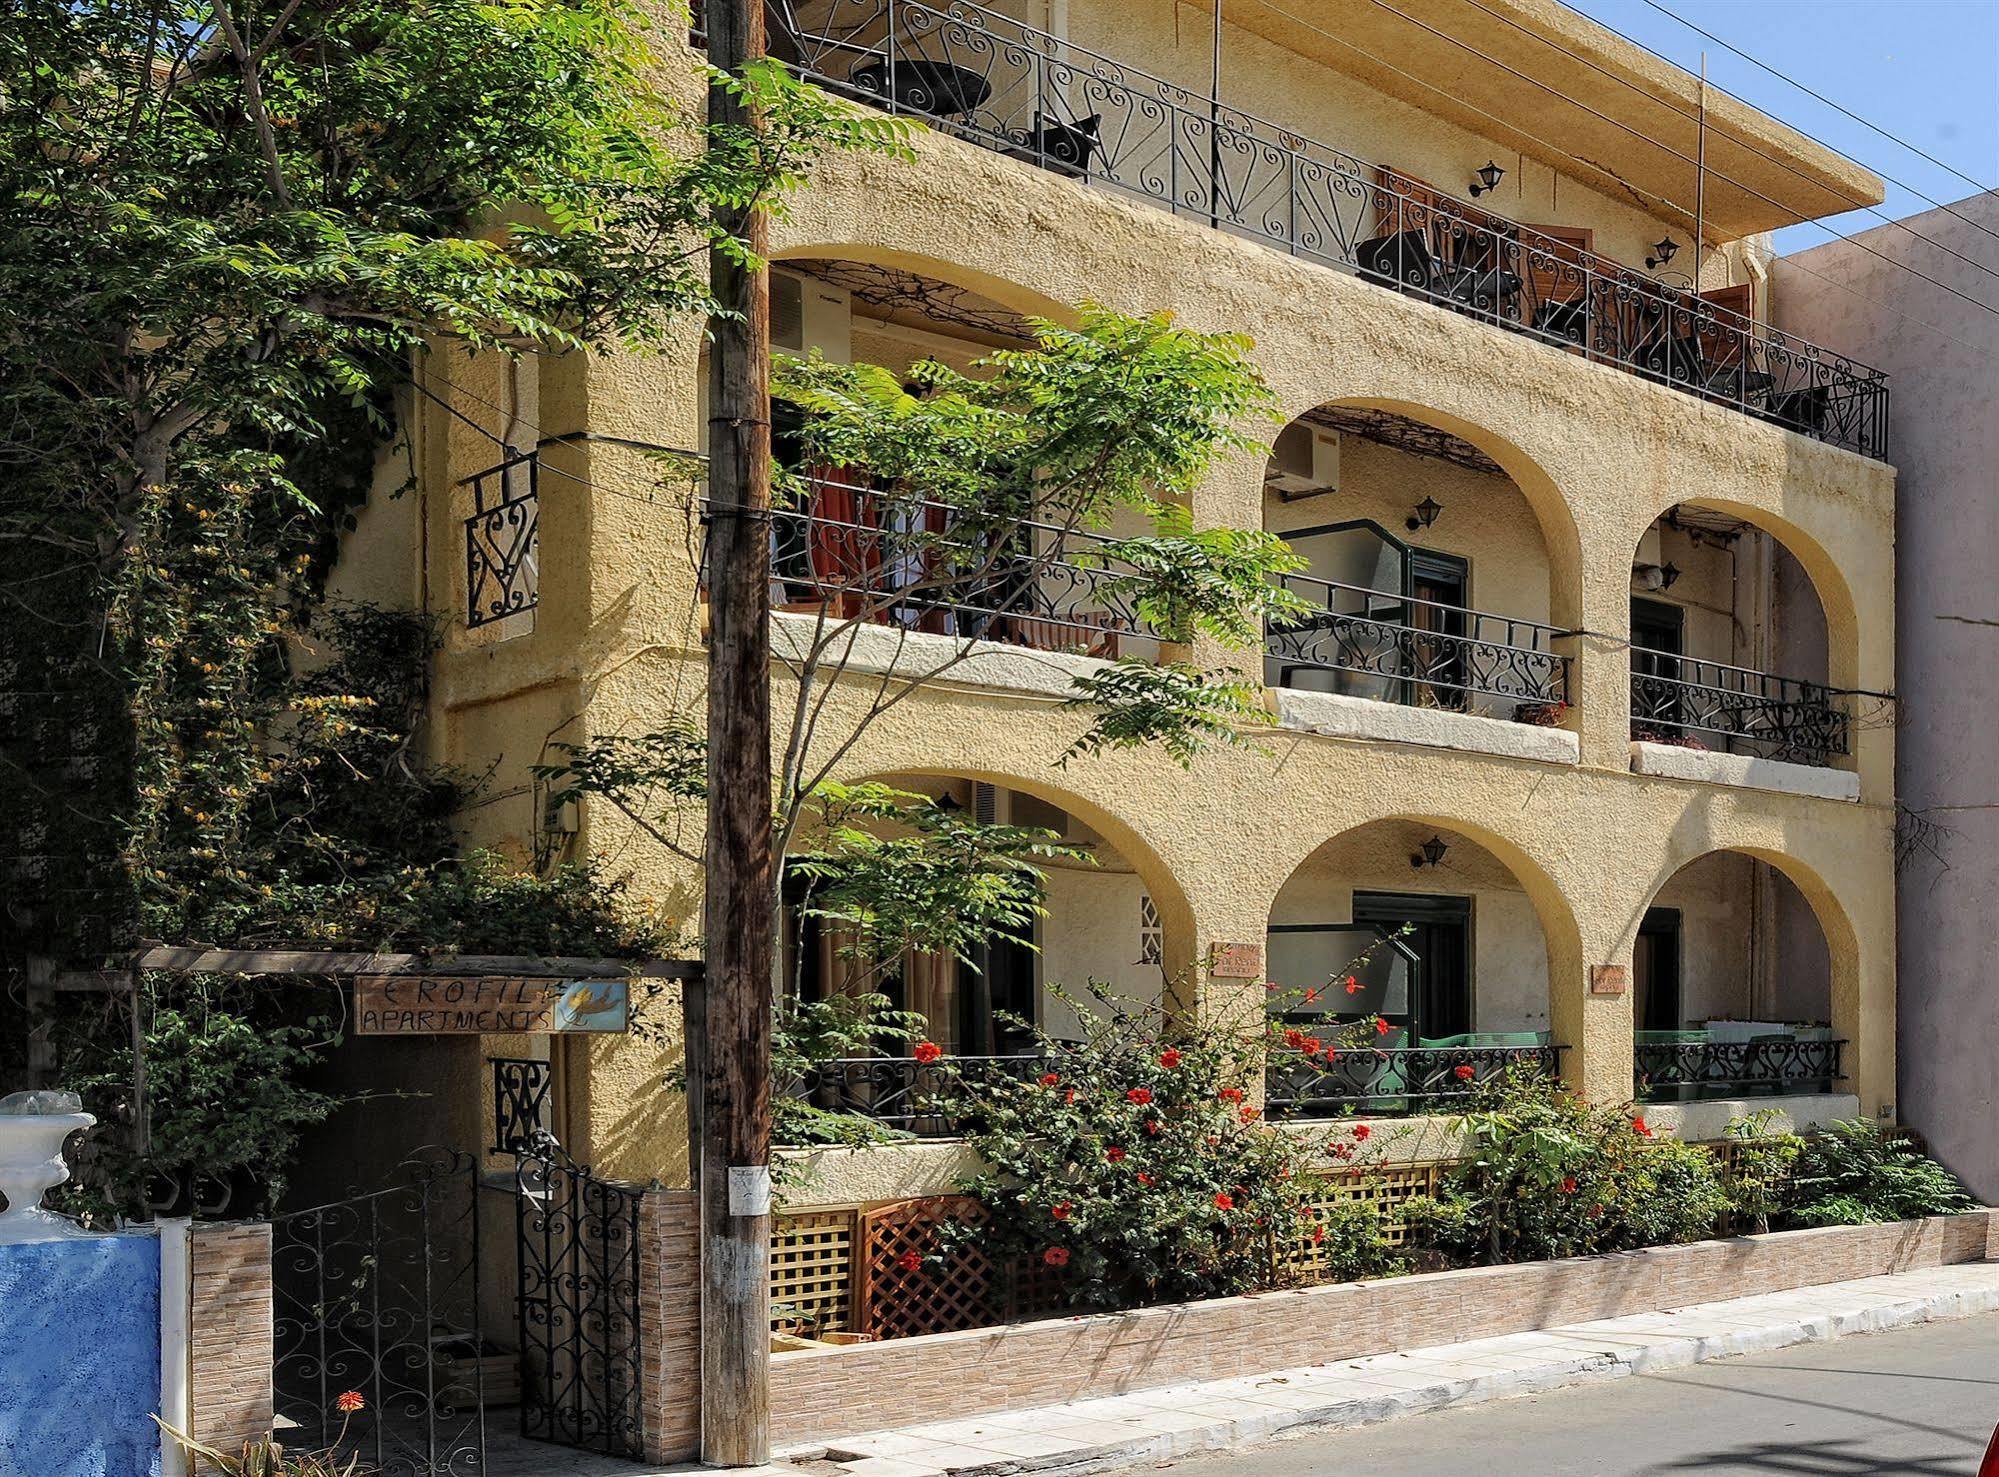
pixel 1159 1424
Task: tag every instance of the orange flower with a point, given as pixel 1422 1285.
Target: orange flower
pixel 1224 1201
pixel 1250 1115
pixel 349 1402
pixel 1169 1058
pixel 1230 1094
pixel 1381 1026
pixel 1056 1256
pixel 1312 995
pixel 1049 1079
pixel 927 1052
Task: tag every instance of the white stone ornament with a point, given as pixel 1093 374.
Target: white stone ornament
pixel 33 1129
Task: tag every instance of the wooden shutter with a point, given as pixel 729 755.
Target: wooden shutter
pixel 1727 344
pixel 1546 282
pixel 1417 205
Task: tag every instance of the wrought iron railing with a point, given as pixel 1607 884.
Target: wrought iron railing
pixel 901 1092
pixel 503 540
pixel 1401 649
pixel 520 1103
pixel 1030 95
pixel 1767 1064
pixel 1393 1080
pixel 860 553
pixel 1712 704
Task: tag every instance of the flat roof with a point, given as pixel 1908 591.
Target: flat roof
pixel 1579 98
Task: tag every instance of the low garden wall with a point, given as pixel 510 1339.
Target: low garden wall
pixel 818 1394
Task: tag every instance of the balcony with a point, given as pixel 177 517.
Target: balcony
pixel 1686 1066
pixel 900 1092
pixel 1006 86
pixel 1395 1081
pixel 1710 705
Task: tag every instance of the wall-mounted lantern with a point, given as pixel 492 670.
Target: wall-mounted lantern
pixel 1663 251
pixel 1424 513
pixel 1429 854
pixel 1488 179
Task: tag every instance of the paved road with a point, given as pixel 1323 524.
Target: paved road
pixel 1920 1402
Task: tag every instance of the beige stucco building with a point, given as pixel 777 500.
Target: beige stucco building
pixel 1520 444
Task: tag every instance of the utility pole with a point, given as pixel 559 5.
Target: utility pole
pixel 729 1024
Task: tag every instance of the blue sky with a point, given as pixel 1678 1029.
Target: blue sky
pixel 1925 70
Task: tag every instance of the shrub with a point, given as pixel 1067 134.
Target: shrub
pixel 1134 1167
pixel 1858 1172
pixel 1544 1174
pixel 1757 1171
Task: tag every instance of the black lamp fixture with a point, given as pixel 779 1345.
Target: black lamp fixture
pixel 1429 854
pixel 1663 250
pixel 1488 179
pixel 1424 513
pixel 1668 572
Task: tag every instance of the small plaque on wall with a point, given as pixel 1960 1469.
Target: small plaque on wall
pixel 1609 979
pixel 1237 962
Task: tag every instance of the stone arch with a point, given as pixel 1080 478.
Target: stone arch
pixel 1560 934
pixel 1022 300
pixel 1835 927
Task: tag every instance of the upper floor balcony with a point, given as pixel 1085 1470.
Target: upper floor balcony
pixel 998 82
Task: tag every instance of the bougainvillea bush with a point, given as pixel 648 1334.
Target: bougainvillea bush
pixel 1134 1167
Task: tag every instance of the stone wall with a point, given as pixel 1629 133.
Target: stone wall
pixel 820 1394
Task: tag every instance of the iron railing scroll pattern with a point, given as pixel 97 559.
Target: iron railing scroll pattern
pixel 582 1359
pixel 1738 709
pixel 1767 1064
pixel 1426 653
pixel 503 540
pixel 521 1088
pixel 367 1294
pixel 903 1093
pixel 1027 94
pixel 1393 1081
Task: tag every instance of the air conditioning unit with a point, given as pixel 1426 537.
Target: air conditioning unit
pixel 1304 462
pixel 807 314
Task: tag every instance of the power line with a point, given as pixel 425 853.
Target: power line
pixel 1793 262
pixel 1637 133
pixel 1808 92
pixel 1781 163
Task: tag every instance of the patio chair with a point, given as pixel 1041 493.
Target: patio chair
pixel 1802 410
pixel 1405 260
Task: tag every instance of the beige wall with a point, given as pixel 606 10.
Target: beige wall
pixel 1592 457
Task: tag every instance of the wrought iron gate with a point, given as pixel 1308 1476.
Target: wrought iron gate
pixel 379 1295
pixel 578 1304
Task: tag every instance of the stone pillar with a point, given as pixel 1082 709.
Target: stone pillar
pixel 232 1346
pixel 670 1325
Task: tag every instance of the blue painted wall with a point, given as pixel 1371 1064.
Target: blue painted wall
pixel 80 1358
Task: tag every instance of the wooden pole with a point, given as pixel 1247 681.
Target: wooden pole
pixel 732 1054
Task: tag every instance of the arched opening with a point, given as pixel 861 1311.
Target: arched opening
pixel 1732 648
pixel 1105 919
pixel 1732 985
pixel 860 549
pixel 1431 577
pixel 1428 930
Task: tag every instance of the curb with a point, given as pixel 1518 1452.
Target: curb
pixel 1650 1356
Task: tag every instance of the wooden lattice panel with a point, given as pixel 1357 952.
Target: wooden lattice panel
pixel 812 1271
pixel 893 1301
pixel 1386 1189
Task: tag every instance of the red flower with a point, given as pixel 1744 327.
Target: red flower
pixel 1224 1201
pixel 1230 1094
pixel 1152 1127
pixel 1250 1115
pixel 1318 1234
pixel 1295 1039
pixel 349 1402
pixel 1569 1185
pixel 1056 1256
pixel 1311 1046
pixel 1641 1128
pixel 909 1261
pixel 1061 1211
pixel 1049 1079
pixel 1353 985
pixel 1114 1154
pixel 927 1052
pixel 1146 1179
pixel 1312 995
pixel 1070 1097
pixel 1381 1026
pixel 1169 1059
pixel 1139 1095
pixel 1361 1131
pixel 1343 1151
pixel 1463 1071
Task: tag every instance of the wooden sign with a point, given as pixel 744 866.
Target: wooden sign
pixel 1609 979
pixel 1237 962
pixel 465 1005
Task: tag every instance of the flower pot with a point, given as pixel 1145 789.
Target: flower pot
pixel 31 1164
